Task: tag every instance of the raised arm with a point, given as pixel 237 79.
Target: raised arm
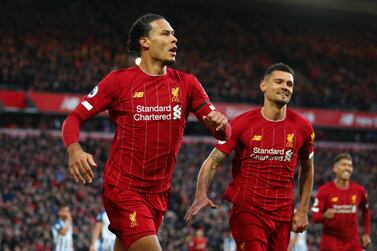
pixel 206 175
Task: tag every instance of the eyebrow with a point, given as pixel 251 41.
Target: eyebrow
pixel 280 79
pixel 170 31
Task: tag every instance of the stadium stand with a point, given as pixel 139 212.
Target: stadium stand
pixel 68 46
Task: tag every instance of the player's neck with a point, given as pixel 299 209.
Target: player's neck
pixel 273 113
pixel 152 68
pixel 342 184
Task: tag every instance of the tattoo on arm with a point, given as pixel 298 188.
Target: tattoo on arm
pixel 212 161
pixel 217 156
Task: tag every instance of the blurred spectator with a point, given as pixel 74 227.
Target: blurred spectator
pixel 198 242
pixel 68 46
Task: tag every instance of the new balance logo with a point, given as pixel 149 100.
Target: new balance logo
pixel 177 112
pixel 138 94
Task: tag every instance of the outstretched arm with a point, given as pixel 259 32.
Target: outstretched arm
pixel 300 218
pixel 205 179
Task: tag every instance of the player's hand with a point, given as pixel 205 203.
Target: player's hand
pixel 69 218
pixel 80 164
pixel 300 221
pixel 329 214
pixel 216 120
pixel 366 240
pixel 92 248
pixel 199 203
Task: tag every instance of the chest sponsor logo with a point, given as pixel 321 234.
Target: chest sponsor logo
pixel 290 138
pixel 271 154
pixel 344 209
pixel 256 138
pixel 133 219
pixel 177 112
pixel 138 95
pixel 158 112
pixel 175 94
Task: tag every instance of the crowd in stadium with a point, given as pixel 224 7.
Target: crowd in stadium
pixel 69 46
pixel 76 48
pixel 33 182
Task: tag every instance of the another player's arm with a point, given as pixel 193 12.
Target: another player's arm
pixel 206 176
pixel 215 121
pixel 292 241
pixel 62 230
pixel 300 219
pixel 95 235
pixel 218 124
pixel 366 219
pixel 320 212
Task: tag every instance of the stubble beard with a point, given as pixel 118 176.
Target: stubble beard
pixel 168 62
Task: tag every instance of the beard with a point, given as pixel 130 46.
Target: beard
pixel 168 62
pixel 282 103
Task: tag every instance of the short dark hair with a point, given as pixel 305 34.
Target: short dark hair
pixel 342 156
pixel 278 67
pixel 140 28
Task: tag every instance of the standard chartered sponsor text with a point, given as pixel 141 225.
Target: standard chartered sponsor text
pixel 141 110
pixel 270 154
pixel 156 108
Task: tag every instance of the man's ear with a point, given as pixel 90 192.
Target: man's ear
pixel 144 43
pixel 262 86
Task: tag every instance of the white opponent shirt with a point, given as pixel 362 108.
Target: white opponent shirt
pixel 107 241
pixel 62 242
pixel 229 244
pixel 301 242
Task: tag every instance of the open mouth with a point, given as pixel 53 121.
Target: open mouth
pixel 284 94
pixel 346 173
pixel 173 50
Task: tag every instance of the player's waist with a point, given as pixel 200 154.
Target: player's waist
pixel 279 208
pixel 341 232
pixel 133 183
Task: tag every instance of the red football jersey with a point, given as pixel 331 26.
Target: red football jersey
pixel 198 244
pixel 266 155
pixel 149 113
pixel 346 203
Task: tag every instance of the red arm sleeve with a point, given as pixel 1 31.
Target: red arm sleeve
pixel 366 214
pixel 319 207
pixel 201 106
pixel 95 102
pixel 228 146
pixel 307 149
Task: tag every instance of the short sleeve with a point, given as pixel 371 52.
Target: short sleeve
pixel 307 149
pixel 99 217
pixel 57 226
